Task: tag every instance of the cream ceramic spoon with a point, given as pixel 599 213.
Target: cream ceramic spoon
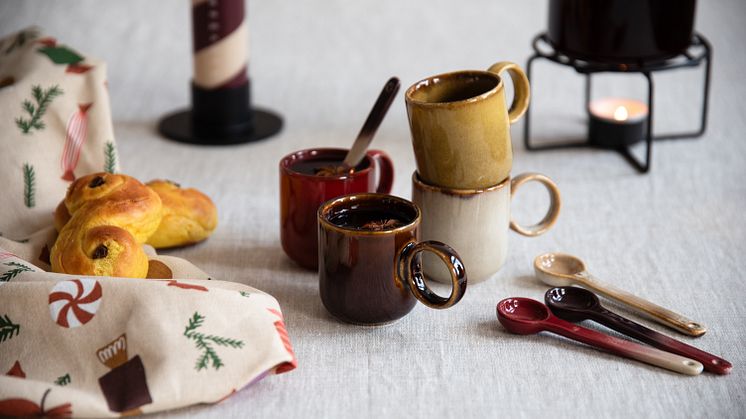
pixel 562 270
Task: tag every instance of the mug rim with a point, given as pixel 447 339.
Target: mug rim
pixel 421 184
pixel 286 167
pixel 408 96
pixel 326 206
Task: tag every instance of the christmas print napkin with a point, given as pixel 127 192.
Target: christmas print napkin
pixel 55 124
pixel 101 346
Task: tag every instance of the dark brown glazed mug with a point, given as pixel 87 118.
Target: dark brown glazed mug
pixel 369 260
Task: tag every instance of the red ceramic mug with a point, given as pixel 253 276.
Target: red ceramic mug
pixel 302 192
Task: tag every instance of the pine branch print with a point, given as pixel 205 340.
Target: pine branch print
pixel 29 185
pixel 19 267
pixel 194 323
pixel 21 39
pixel 202 342
pixel 233 343
pixel 202 362
pixel 43 98
pixel 110 157
pixel 216 361
pixel 63 380
pixel 8 329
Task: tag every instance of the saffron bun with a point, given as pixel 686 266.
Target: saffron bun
pixel 109 217
pixel 61 216
pixel 189 216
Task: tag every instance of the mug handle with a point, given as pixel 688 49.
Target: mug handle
pixel 522 91
pixel 555 203
pixel 409 269
pixel 386 170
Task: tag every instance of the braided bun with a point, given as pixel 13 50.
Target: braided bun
pixel 61 216
pixel 189 216
pixel 110 217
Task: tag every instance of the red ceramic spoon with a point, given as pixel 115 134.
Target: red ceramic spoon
pixel 577 304
pixel 525 316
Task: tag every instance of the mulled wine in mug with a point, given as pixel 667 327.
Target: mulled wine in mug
pixel 476 221
pixel 369 260
pixel 310 177
pixel 460 125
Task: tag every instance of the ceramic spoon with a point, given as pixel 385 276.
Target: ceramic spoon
pixel 576 304
pixel 561 270
pixel 525 316
pixel 375 117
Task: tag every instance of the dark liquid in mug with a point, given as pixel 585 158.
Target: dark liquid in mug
pixel 323 167
pixel 373 219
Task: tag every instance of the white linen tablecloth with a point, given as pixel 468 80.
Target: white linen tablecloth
pixel 676 236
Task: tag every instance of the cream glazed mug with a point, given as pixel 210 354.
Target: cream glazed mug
pixel 476 222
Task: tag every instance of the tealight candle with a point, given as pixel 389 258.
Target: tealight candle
pixel 616 123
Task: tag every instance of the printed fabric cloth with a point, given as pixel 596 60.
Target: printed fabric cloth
pixel 55 124
pixel 85 346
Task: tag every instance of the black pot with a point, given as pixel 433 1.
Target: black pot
pixel 621 31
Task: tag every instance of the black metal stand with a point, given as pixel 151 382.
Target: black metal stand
pixel 699 51
pixel 220 117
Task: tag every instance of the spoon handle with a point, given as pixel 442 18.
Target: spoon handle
pixel 623 347
pixel 660 314
pixel 375 117
pixel 635 330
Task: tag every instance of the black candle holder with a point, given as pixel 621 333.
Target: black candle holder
pixel 699 52
pixel 220 117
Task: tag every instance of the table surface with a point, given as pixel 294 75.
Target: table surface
pixel 675 236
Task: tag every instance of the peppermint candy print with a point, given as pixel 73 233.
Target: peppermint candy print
pixel 73 303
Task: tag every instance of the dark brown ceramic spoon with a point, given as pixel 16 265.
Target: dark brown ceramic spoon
pixel 576 304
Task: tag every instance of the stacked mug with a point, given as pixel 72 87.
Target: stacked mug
pixel 460 127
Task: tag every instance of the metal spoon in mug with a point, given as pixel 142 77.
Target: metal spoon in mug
pixel 375 117
pixel 562 270
pixel 577 304
pixel 525 316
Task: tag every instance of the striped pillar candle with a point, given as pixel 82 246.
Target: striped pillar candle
pixel 220 43
pixel 220 87
pixel 221 90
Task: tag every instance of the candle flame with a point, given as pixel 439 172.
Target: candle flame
pixel 621 114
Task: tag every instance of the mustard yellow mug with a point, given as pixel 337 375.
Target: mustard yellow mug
pixel 460 125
